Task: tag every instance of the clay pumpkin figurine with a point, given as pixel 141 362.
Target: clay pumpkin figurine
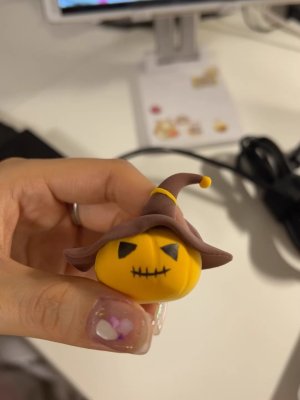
pixel 152 258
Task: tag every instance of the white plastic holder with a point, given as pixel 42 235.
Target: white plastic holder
pixel 180 97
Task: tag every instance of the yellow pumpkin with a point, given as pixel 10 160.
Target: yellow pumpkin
pixel 149 267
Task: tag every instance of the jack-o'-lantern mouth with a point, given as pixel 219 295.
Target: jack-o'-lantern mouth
pixel 147 274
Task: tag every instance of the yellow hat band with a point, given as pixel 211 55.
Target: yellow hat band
pixel 205 182
pixel 165 192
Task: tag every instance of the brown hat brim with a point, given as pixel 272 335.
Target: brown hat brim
pixel 84 257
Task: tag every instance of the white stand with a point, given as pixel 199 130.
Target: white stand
pixel 176 39
pixel 181 99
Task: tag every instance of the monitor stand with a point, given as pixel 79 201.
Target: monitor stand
pixel 176 38
pixel 181 99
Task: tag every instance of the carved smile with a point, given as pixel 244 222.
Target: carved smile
pixel 146 274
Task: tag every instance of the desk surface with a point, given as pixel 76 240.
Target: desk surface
pixel 237 335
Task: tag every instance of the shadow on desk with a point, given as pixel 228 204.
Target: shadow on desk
pixel 266 235
pixel 25 374
pixel 248 213
pixel 289 383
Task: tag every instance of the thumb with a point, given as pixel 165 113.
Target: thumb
pixel 71 310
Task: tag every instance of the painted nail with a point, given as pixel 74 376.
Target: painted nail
pixel 159 318
pixel 120 325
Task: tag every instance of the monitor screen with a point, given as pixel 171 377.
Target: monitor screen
pixel 73 6
pixel 102 10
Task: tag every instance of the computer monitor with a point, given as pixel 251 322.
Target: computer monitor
pixel 179 96
pixel 103 10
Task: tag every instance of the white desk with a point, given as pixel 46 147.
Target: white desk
pixel 237 335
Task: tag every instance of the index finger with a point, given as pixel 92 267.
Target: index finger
pixel 93 181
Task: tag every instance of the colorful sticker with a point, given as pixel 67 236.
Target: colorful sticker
pixel 155 109
pixel 220 126
pixel 208 78
pixel 194 129
pixel 165 129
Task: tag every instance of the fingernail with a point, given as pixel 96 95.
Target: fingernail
pixel 159 318
pixel 120 325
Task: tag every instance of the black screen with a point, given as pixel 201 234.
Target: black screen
pixel 76 6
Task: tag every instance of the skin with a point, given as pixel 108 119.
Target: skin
pixel 40 295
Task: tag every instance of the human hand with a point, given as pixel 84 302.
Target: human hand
pixel 41 295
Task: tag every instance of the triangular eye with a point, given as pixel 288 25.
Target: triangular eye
pixel 171 250
pixel 125 248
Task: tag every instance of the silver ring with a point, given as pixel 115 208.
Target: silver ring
pixel 75 214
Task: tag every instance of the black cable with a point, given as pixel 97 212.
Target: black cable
pixel 187 153
pixel 267 160
pixel 294 158
pixel 264 164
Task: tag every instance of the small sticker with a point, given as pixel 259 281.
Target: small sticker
pixel 220 126
pixel 182 120
pixel 194 129
pixel 155 109
pixel 165 129
pixel 208 78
